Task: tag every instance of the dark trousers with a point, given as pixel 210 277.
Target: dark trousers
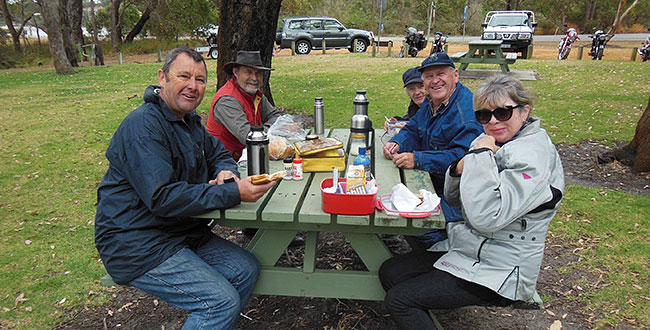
pixel 413 286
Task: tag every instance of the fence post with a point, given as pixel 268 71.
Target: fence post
pixel 634 50
pixel 159 56
pixel 390 47
pixel 446 48
pixel 374 49
pixel 293 48
pixel 406 49
pixel 92 54
pixel 323 45
pixel 580 50
pixel 119 57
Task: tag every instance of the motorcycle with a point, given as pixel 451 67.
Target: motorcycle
pixel 644 51
pixel 564 48
pixel 439 42
pixel 597 45
pixel 415 41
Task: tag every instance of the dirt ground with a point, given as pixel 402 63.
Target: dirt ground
pixel 133 309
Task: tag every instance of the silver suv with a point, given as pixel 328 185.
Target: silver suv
pixel 309 31
pixel 514 27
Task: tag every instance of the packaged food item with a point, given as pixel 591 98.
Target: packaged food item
pixel 309 147
pixel 356 179
pixel 288 167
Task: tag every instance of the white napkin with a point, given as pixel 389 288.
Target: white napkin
pixel 429 203
pixel 243 160
pixel 403 199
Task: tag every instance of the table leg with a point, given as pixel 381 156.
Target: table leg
pixel 504 68
pixel 309 259
pixel 268 244
pixel 370 249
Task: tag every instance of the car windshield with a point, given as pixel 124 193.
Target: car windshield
pixel 508 20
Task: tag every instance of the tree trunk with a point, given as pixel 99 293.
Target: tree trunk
pixel 15 35
pixel 66 33
pixel 116 25
pixel 636 153
pixel 99 53
pixel 74 13
pixel 247 25
pixel 50 10
pixel 142 21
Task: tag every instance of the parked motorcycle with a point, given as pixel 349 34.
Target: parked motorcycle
pixel 415 41
pixel 564 48
pixel 439 42
pixel 644 51
pixel 597 45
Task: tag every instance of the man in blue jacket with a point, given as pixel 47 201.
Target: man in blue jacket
pixel 437 135
pixel 164 168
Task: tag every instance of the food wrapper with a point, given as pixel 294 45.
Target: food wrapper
pixel 356 179
pixel 280 148
pixel 405 201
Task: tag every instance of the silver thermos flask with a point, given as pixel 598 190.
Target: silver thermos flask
pixel 319 116
pixel 257 148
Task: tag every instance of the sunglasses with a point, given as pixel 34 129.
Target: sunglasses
pixel 501 114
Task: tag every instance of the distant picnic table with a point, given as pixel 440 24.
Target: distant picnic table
pixel 484 51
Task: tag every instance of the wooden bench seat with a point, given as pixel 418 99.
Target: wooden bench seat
pixel 457 56
pixel 535 302
pixel 511 58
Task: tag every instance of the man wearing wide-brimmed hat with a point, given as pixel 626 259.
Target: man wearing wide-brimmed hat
pixel 239 103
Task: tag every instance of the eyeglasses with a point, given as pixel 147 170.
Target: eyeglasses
pixel 501 114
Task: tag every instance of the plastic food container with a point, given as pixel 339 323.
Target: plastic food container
pixel 349 204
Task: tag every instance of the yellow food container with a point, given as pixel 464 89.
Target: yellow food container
pixel 323 161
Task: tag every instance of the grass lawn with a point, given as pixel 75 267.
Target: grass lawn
pixel 54 131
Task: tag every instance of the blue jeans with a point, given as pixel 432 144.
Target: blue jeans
pixel 213 283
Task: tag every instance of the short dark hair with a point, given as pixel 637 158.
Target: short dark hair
pixel 173 54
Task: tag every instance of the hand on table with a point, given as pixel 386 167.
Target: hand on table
pixel 404 160
pixel 390 149
pixel 248 192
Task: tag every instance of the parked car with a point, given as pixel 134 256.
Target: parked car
pixel 308 33
pixel 209 32
pixel 514 27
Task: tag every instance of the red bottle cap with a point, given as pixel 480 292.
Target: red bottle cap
pixel 297 160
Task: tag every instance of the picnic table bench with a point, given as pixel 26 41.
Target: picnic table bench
pixel 484 51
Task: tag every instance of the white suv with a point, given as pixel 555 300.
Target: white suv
pixel 514 27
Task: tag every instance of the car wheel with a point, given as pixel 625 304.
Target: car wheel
pixel 359 45
pixel 303 47
pixel 214 52
pixel 212 39
pixel 524 53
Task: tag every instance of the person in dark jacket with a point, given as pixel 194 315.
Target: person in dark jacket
pixel 412 79
pixel 164 168
pixel 440 133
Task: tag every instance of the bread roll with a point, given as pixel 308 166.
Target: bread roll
pixel 279 148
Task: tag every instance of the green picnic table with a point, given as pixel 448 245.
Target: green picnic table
pixel 484 51
pixel 293 206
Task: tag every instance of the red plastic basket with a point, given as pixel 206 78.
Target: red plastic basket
pixel 349 204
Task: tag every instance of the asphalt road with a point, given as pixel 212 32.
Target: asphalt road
pixel 583 37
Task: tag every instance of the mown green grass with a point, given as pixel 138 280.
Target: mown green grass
pixel 54 131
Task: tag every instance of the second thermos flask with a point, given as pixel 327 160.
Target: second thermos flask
pixel 319 116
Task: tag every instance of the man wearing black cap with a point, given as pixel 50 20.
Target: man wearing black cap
pixel 239 103
pixel 437 135
pixel 412 79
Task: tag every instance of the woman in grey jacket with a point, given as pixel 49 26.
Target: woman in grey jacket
pixel 509 186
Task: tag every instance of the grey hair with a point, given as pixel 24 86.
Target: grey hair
pixel 491 92
pixel 173 54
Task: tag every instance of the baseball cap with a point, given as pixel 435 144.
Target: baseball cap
pixel 440 58
pixel 412 75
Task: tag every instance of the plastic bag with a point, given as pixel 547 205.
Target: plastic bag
pixel 280 148
pixel 286 127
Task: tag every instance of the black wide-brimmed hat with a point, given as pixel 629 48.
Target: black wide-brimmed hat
pixel 248 58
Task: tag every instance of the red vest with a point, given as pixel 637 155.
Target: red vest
pixel 252 109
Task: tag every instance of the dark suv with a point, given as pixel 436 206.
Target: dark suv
pixel 308 32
